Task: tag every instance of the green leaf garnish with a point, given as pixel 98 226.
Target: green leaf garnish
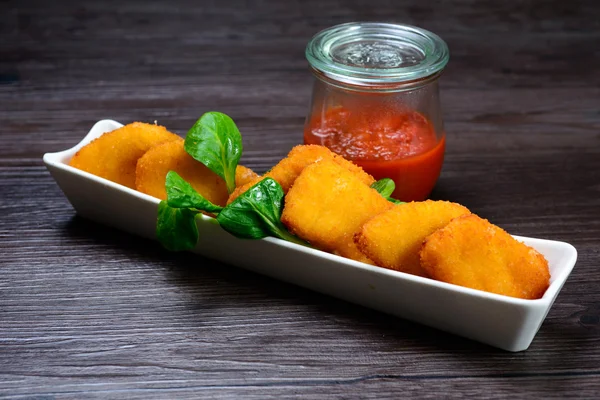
pixel 395 201
pixel 176 228
pixel 256 213
pixel 181 194
pixel 215 141
pixel 386 187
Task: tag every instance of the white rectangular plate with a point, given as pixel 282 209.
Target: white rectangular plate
pixel 501 321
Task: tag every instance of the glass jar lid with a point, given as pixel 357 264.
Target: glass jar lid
pixel 372 53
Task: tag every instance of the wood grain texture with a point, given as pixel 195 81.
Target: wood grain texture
pixel 90 312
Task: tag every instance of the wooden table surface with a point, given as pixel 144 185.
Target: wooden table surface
pixel 90 312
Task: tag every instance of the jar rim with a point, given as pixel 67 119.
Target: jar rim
pixel 375 53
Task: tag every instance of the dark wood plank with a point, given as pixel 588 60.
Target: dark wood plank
pixel 87 311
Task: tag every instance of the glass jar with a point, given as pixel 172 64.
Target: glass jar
pixel 376 101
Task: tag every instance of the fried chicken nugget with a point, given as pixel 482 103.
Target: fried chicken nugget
pixel 239 189
pixel 244 175
pixel 327 204
pixel 114 155
pixel 288 169
pixel 152 169
pixel 393 239
pixel 474 253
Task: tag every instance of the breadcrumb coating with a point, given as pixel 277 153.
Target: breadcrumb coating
pixel 393 239
pixel 114 155
pixel 289 168
pixel 328 204
pixel 474 253
pixel 152 169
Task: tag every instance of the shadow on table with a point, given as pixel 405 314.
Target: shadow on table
pixel 191 271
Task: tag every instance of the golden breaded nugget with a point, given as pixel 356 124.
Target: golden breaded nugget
pixel 347 248
pixel 288 169
pixel 114 155
pixel 152 169
pixel 244 180
pixel 474 253
pixel 244 175
pixel 242 188
pixel 393 239
pixel 327 204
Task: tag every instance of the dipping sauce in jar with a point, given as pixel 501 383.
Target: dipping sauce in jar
pixel 376 101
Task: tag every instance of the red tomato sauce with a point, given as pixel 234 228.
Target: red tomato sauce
pixel 402 146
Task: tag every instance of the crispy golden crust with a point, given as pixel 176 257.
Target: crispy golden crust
pixel 114 155
pixel 393 239
pixel 327 204
pixel 152 169
pixel 289 168
pixel 347 248
pixel 244 175
pixel 474 253
pixel 242 188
